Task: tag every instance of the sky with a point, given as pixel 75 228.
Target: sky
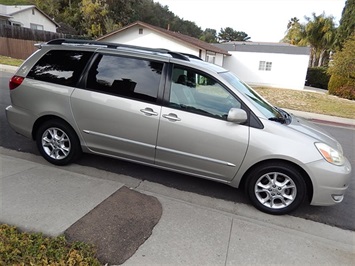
pixel 262 20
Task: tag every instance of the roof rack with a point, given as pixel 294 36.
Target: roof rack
pixel 192 56
pixel 74 42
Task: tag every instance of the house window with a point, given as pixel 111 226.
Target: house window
pixel 36 26
pixel 17 24
pixel 140 31
pixel 33 11
pixel 265 66
pixel 211 57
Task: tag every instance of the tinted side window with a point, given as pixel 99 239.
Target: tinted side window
pixel 198 93
pixel 128 77
pixel 60 67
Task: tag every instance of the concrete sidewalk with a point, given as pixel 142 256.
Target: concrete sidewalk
pixel 192 230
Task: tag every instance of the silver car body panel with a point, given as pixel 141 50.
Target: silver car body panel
pixel 123 127
pixel 200 144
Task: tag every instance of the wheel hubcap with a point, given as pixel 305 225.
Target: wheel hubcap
pixel 275 190
pixel 56 143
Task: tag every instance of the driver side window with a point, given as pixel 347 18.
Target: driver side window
pixel 198 93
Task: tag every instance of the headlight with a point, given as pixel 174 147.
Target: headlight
pixel 329 154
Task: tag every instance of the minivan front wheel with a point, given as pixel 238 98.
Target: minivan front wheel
pixel 276 188
pixel 57 142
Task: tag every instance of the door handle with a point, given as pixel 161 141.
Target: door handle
pixel 149 111
pixel 172 117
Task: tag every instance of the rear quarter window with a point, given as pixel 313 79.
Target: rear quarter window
pixel 60 67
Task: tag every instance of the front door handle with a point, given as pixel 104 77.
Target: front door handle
pixel 172 117
pixel 149 111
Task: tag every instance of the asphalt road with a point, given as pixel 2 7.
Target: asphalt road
pixel 341 215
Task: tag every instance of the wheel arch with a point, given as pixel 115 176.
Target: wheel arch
pixel 303 173
pixel 45 118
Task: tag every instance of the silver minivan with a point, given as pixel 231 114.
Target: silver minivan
pixel 173 111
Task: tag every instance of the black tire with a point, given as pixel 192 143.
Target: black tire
pixel 57 142
pixel 276 188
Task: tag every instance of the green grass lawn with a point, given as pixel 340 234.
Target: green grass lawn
pixel 313 102
pixel 10 61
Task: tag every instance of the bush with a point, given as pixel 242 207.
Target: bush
pixel 34 249
pixel 317 77
pixel 346 92
pixel 342 87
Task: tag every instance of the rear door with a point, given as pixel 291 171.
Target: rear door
pixel 118 111
pixel 194 134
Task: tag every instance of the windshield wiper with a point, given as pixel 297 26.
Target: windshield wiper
pixel 286 117
pixel 281 120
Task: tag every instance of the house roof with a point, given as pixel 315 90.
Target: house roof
pixel 264 47
pixel 172 34
pixel 9 11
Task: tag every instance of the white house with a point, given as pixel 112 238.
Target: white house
pixel 143 34
pixel 261 64
pixel 27 16
pixel 278 65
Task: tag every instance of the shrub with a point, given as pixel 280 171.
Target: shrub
pixel 346 92
pixel 18 248
pixel 317 77
pixel 342 87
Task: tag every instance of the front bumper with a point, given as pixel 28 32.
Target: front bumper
pixel 329 182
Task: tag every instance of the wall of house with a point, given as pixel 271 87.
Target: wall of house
pixel 287 70
pixel 26 17
pixel 150 39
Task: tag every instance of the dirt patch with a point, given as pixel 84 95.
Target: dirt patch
pixel 118 226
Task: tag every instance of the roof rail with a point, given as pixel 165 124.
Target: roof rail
pixel 192 56
pixel 118 45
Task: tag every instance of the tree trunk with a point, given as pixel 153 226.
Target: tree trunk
pixel 321 58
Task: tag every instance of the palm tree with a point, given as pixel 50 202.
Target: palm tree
pixel 320 34
pixel 295 33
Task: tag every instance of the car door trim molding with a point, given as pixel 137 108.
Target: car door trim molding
pixel 197 156
pixel 118 138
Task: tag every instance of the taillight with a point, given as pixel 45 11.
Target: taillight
pixel 15 81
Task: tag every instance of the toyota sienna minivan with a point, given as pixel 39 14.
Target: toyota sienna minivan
pixel 176 112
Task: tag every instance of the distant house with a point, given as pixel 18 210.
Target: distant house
pixel 268 64
pixel 143 34
pixel 261 64
pixel 27 16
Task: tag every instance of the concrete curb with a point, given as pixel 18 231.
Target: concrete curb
pixel 8 69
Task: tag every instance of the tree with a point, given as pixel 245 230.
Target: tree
pixel 50 7
pixel 209 36
pixel 320 34
pixel 228 34
pixel 295 33
pixel 93 14
pixel 342 71
pixel 343 63
pixel 346 27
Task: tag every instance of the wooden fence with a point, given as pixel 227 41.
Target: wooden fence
pixel 16 48
pixel 18 42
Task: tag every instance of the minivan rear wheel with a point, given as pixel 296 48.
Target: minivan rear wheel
pixel 57 142
pixel 276 188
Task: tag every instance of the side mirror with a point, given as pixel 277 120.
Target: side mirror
pixel 237 116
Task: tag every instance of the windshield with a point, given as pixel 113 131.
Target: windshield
pixel 263 106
